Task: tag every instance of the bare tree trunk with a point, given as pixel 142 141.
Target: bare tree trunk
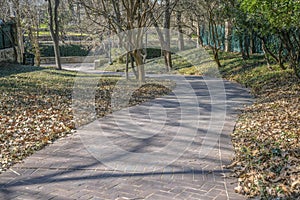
pixel 20 46
pixel 137 54
pixel 252 43
pixel 33 35
pixel 168 59
pixel 167 49
pixel 37 48
pixel 54 30
pixel 228 33
pixel 132 66
pixel 180 31
pixel 246 45
pixel 241 38
pixel 13 39
pixel 127 66
pixel 199 38
pixel 214 35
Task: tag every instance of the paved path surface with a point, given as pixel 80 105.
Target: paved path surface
pixel 83 167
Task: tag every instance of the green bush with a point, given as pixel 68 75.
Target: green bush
pixel 153 53
pixel 65 50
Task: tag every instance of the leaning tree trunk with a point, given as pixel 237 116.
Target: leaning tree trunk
pixel 266 56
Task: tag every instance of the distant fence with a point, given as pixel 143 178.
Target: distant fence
pixel 235 39
pixel 6 36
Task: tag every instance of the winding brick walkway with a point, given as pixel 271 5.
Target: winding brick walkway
pixel 68 168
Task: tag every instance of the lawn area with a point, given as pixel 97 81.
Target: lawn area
pixel 36 107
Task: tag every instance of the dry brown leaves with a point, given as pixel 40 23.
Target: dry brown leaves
pixel 267 144
pixel 36 108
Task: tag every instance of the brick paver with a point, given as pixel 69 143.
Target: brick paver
pixel 67 169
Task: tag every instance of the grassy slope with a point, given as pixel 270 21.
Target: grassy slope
pixel 266 137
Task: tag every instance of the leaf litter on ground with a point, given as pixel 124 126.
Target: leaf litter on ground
pixel 36 107
pixel 267 135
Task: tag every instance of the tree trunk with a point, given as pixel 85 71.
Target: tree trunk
pixel 252 43
pixel 199 38
pixel 216 58
pixel 246 45
pixel 127 67
pixel 242 50
pixel 54 30
pixel 168 59
pixel 280 59
pixel 140 65
pixel 14 41
pixel 132 66
pixel 57 54
pixel 34 38
pixel 167 48
pixel 214 36
pixel 228 33
pixel 20 36
pixel 266 56
pixel 180 31
pixel 296 67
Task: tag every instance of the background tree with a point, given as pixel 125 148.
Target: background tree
pixel 128 17
pixel 279 18
pixel 31 20
pixel 53 6
pixel 164 34
pixel 16 14
pixel 213 15
pixel 168 9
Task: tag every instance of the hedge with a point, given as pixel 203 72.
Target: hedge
pixel 65 50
